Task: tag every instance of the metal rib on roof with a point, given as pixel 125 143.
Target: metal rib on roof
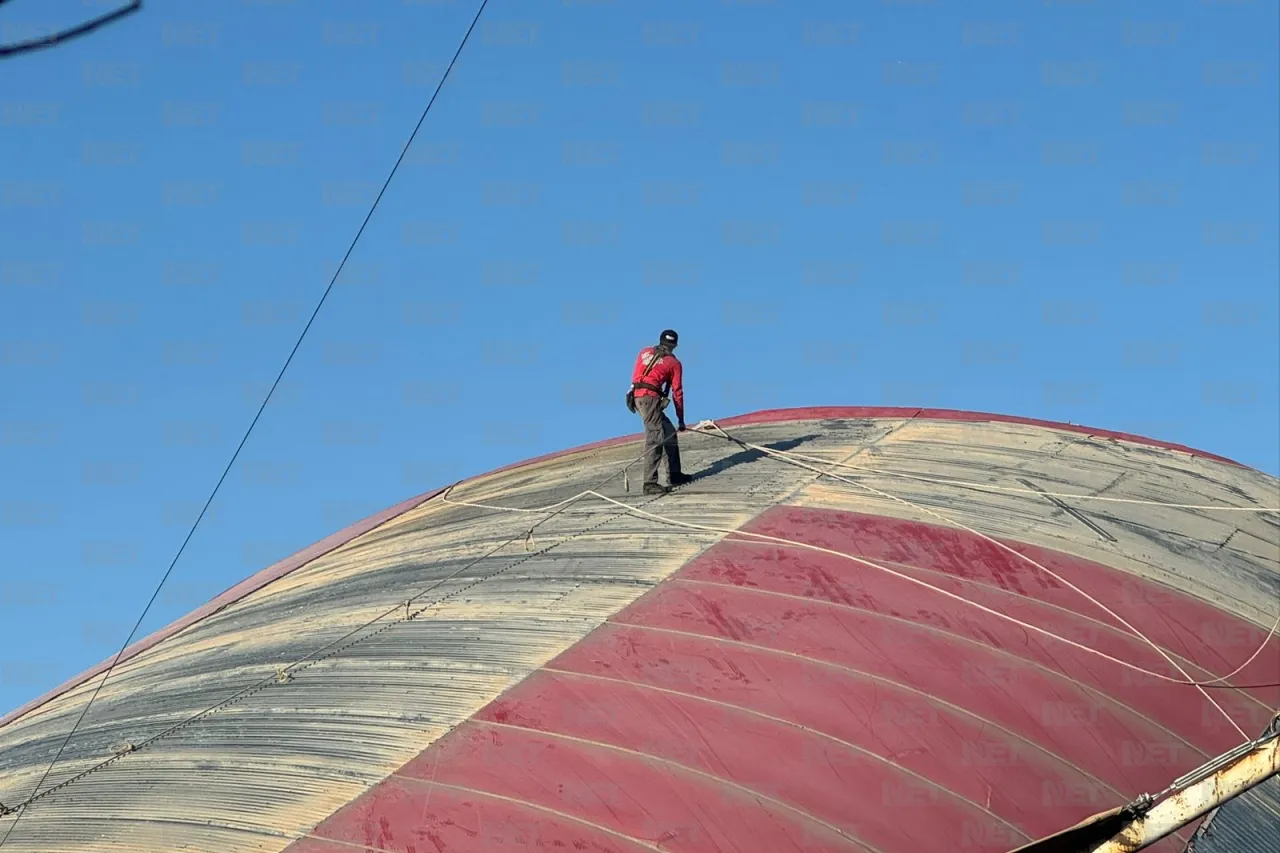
pixel 615 682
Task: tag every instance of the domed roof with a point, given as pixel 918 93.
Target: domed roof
pixel 888 630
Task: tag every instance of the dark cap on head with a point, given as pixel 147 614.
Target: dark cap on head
pixel 668 338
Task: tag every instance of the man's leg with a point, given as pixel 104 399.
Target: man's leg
pixel 671 445
pixel 654 435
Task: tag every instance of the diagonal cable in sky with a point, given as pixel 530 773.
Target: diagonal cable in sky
pixel 404 150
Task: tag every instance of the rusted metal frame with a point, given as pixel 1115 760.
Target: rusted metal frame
pixel 1218 781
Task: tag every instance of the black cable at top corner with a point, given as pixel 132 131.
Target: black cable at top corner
pixel 8 50
pixel 261 408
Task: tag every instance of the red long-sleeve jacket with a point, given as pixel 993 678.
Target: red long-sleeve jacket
pixel 666 371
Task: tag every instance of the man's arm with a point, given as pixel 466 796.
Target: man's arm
pixel 677 390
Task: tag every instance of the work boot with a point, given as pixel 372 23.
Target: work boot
pixel 680 479
pixel 655 489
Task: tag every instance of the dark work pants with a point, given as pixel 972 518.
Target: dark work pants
pixel 659 436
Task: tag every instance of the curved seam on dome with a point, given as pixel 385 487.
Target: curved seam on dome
pixel 1052 756
pixel 948 634
pixel 872 676
pixel 743 709
pixel 531 806
pixel 994 588
pixel 859 842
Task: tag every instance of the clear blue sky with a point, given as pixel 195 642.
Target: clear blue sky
pixel 1064 210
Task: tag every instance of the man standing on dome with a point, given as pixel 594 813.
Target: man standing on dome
pixel 656 376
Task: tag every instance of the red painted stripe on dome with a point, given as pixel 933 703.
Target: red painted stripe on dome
pixel 1031 787
pixel 994 686
pixel 813 775
pixel 899 732
pixel 659 803
pixel 1180 623
pixel 401 815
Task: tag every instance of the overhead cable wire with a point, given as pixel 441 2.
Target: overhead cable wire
pixel 10 50
pixel 339 645
pixel 227 470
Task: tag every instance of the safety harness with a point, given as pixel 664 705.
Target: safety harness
pixel 659 353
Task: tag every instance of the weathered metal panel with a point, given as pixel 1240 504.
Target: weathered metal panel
pixel 863 689
pixel 284 754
